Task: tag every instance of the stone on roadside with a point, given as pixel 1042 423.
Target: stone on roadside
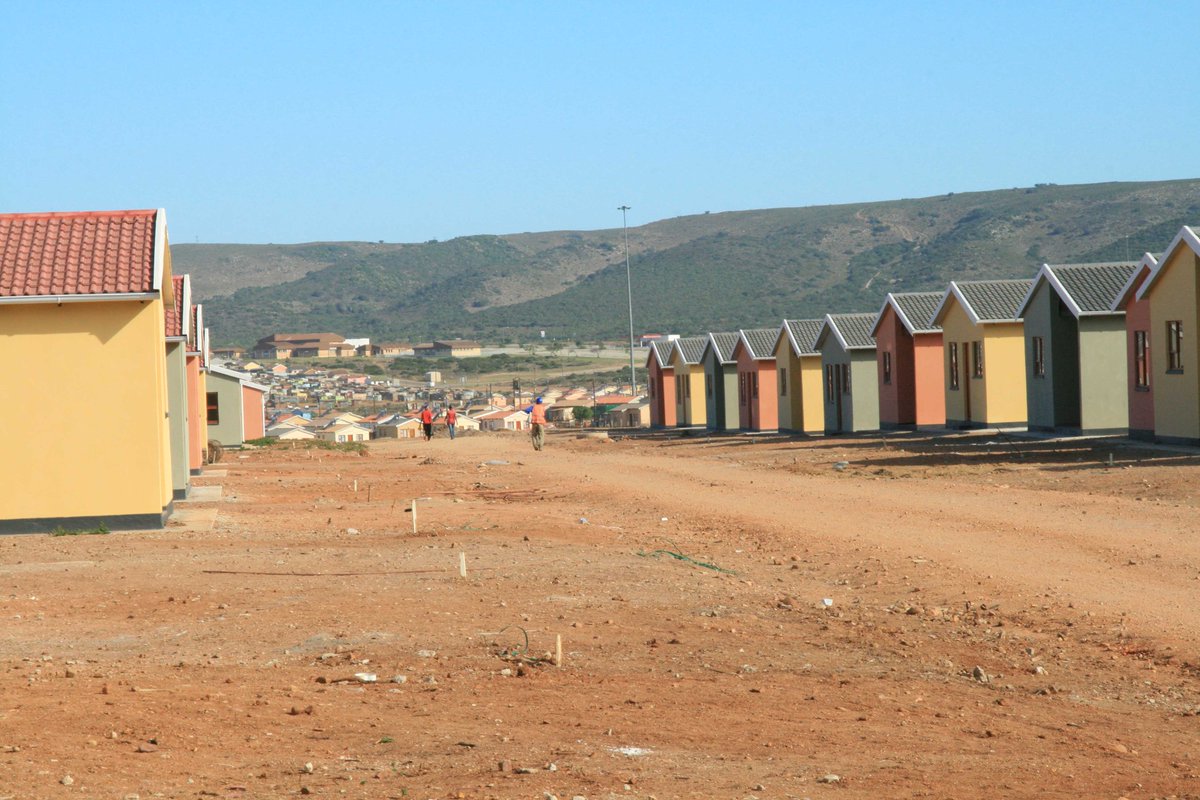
pixel 979 675
pixel 830 778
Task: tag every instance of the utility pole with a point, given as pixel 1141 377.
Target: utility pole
pixel 629 291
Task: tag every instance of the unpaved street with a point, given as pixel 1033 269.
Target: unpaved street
pixel 853 618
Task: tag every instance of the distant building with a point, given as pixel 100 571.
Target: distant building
pixel 303 345
pixel 448 348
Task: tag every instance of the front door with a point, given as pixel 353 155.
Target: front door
pixel 837 395
pixel 966 381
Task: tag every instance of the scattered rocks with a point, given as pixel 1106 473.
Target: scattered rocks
pixel 979 675
pixel 426 654
pixel 147 747
pixel 399 679
pixel 67 780
pixel 307 769
pixel 830 778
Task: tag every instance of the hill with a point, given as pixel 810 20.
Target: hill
pixel 690 274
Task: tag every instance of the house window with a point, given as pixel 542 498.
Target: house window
pixel 754 379
pixel 656 380
pixel 845 379
pixel 214 409
pixel 742 388
pixel 783 382
pixel 1175 346
pixel 687 387
pixel 954 366
pixel 1141 360
pixel 887 367
pixel 1039 357
pixel 976 359
pixel 829 398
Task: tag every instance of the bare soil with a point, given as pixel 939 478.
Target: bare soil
pixel 956 616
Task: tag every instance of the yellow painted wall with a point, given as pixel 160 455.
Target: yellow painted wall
pixel 98 370
pixel 813 391
pixel 1004 374
pixel 689 398
pixel 1176 396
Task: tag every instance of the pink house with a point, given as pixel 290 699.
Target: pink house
pixel 660 384
pixel 1137 336
pixel 908 354
pixel 758 388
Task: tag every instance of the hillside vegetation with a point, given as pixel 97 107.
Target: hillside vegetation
pixel 690 274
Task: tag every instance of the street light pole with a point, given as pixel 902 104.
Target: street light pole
pixel 629 291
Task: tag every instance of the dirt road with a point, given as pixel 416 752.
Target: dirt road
pixel 910 617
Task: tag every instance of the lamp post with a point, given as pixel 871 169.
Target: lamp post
pixel 629 291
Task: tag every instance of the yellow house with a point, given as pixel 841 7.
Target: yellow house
pixel 1174 296
pixel 689 381
pixel 983 349
pixel 82 338
pixel 801 404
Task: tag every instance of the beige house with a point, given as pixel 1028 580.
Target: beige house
pixel 344 433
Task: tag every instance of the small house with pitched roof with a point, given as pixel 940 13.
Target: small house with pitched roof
pixel 908 354
pixel 87 294
pixel 848 363
pixel 236 407
pixel 178 318
pixel 196 361
pixel 983 353
pixel 1137 350
pixel 660 384
pixel 685 356
pixel 1075 360
pixel 1173 292
pixel 720 382
pixel 801 408
pixel 758 390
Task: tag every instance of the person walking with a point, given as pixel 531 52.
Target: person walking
pixel 427 421
pixel 451 420
pixel 537 423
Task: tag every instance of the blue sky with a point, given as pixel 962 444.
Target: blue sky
pixel 314 121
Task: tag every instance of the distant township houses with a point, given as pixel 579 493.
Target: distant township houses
pixel 1076 349
pixel 282 346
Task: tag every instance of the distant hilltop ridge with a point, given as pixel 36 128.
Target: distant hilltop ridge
pixel 721 271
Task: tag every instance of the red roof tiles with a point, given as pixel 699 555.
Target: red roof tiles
pixel 174 312
pixel 97 252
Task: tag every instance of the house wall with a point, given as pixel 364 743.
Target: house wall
pixel 1053 399
pixel 254 413
pixel 897 399
pixel 1105 404
pixel 1176 395
pixel 814 407
pixel 759 411
pixel 1003 375
pixel 178 418
pixel 662 394
pixel 228 429
pixel 1141 401
pixel 864 395
pixel 928 392
pixel 721 402
pixel 109 459
pixel 791 397
pixel 958 329
pixel 689 392
pixel 197 430
pixel 839 410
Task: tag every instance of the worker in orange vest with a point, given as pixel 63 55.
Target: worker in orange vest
pixel 537 423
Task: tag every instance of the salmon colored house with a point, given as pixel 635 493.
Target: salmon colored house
pixel 1173 291
pixel 1137 350
pixel 983 353
pixel 758 390
pixel 197 364
pixel 689 380
pixel 908 355
pixel 84 296
pixel 660 383
pixel 801 409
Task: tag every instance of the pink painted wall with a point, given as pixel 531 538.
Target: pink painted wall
pixel 1141 403
pixel 896 400
pixel 930 390
pixel 757 411
pixel 662 403
pixel 254 422
pixel 197 414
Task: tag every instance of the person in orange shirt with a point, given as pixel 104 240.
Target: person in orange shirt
pixel 451 420
pixel 427 421
pixel 537 423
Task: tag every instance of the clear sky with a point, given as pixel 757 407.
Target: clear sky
pixel 297 121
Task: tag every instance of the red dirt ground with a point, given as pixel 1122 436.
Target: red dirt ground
pixel 1008 619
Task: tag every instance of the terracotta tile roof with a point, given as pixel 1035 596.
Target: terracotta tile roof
pixel 174 312
pixel 99 252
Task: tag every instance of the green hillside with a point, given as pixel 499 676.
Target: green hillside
pixel 690 274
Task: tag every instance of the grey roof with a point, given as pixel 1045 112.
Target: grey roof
pixel 724 344
pixel 691 348
pixel 920 308
pixel 854 329
pixel 805 333
pixel 1093 287
pixel 662 350
pixel 994 301
pixel 761 342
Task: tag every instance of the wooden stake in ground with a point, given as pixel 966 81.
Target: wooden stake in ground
pixel 356 485
pixel 558 649
pixel 414 513
pixel 462 565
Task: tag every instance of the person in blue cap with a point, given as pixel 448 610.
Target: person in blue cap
pixel 537 423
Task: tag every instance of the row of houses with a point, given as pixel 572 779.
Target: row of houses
pixel 1068 350
pixel 91 295
pixel 332 345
